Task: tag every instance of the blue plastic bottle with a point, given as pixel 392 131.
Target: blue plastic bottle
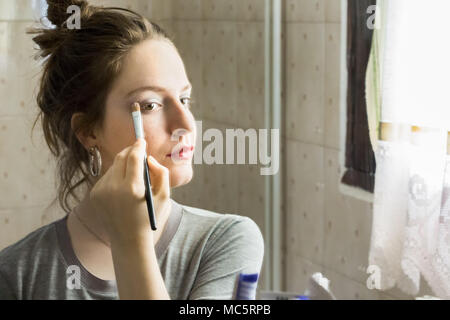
pixel 246 286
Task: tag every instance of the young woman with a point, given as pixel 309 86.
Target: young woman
pixel 104 247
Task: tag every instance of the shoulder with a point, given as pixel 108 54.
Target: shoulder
pixel 32 247
pixel 220 222
pixel 228 229
pixel 22 261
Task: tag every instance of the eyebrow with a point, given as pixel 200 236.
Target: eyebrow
pixel 155 89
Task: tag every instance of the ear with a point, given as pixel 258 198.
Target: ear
pixel 87 137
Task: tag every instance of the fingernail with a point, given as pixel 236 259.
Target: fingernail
pixel 153 160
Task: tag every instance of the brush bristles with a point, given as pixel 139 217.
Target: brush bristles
pixel 135 107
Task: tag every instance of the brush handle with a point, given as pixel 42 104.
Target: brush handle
pixel 148 196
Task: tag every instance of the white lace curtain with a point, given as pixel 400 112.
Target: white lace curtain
pixel 411 212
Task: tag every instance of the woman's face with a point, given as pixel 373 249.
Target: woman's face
pixel 153 74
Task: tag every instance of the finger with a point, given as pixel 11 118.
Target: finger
pixel 159 176
pixel 119 165
pixel 135 163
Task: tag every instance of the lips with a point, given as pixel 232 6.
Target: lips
pixel 185 152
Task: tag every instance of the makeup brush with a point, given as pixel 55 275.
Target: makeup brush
pixel 139 132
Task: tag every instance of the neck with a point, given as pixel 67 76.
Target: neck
pixel 86 213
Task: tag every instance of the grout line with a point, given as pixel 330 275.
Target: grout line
pixel 284 135
pixel 11 116
pixel 217 20
pixel 311 143
pixel 305 22
pixel 253 20
pixel 30 206
pixel 18 20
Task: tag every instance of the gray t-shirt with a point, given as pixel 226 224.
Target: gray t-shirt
pixel 200 255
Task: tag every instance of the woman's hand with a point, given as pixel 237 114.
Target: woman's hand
pixel 119 195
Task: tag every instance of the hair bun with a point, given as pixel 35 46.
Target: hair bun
pixel 57 10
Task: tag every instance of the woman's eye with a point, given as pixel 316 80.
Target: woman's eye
pixel 186 101
pixel 149 106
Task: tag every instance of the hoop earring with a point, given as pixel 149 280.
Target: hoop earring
pixel 95 167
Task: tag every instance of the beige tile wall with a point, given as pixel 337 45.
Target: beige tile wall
pixel 26 168
pixel 211 41
pixel 221 43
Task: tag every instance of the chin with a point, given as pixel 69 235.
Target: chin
pixel 180 175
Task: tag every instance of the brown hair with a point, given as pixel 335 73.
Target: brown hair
pixel 80 68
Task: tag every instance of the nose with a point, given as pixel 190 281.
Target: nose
pixel 180 120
